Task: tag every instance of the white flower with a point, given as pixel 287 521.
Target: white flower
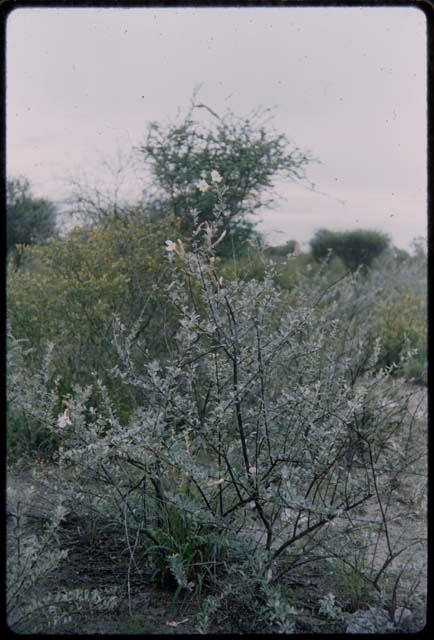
pixel 252 470
pixel 203 185
pixel 63 420
pixel 215 176
pixel 309 267
pixel 170 246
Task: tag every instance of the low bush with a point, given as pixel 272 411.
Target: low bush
pixel 33 605
pixel 284 269
pixel 404 324
pixel 281 251
pixel 31 396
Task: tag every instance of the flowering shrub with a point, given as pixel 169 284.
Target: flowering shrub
pixel 256 441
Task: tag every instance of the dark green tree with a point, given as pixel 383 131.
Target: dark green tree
pixel 355 248
pixel 29 220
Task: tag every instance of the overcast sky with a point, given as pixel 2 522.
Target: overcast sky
pixel 349 84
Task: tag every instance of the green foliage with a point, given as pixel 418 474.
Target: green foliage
pixel 289 274
pixel 277 611
pixel 209 606
pixel 186 554
pixel 354 590
pixel 32 396
pixel 355 248
pixel 231 427
pixel 285 271
pixel 262 419
pixel 329 608
pixel 281 251
pixel 241 239
pixel 399 311
pixel 74 287
pixel 404 325
pixel 29 219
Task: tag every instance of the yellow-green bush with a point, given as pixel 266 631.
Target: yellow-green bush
pixel 68 291
pixel 404 323
pixel 286 270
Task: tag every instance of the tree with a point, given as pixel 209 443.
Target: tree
pixel 185 157
pixel 355 248
pixel 108 194
pixel 29 220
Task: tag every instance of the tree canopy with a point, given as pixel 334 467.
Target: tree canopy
pixel 355 248
pixel 186 155
pixel 29 220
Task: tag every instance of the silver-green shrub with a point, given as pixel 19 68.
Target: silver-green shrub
pixel 264 433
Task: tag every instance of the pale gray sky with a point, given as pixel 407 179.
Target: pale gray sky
pixel 348 83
